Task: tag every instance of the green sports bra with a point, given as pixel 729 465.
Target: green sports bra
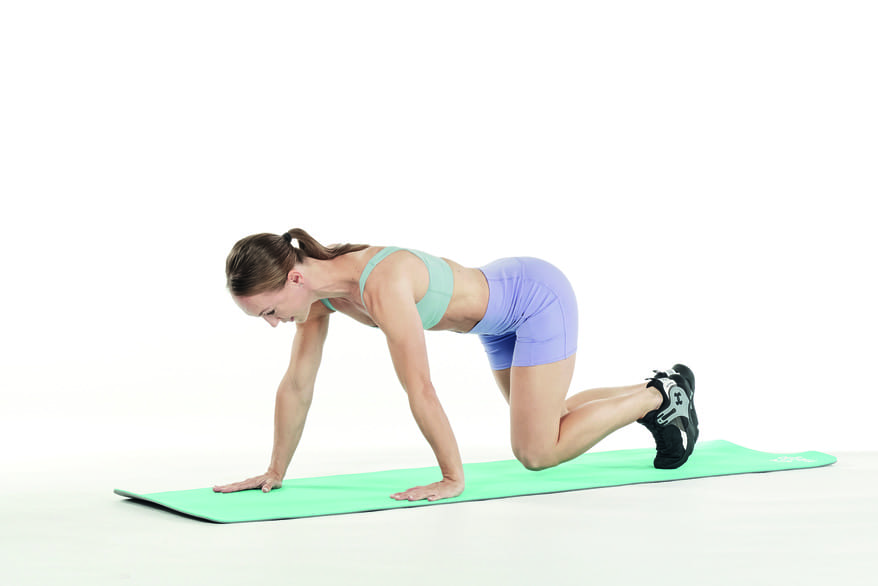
pixel 432 306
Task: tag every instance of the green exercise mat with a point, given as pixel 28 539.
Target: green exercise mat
pixel 353 493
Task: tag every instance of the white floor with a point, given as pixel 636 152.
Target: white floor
pixel 799 527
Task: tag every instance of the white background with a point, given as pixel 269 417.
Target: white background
pixel 704 173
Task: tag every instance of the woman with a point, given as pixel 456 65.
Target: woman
pixel 523 310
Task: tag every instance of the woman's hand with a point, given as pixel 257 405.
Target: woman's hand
pixel 265 482
pixel 444 489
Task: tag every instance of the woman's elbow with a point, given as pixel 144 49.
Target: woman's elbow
pixel 420 389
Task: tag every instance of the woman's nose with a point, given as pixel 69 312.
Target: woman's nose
pixel 272 320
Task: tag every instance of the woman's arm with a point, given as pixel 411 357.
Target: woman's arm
pixel 292 403
pixel 393 309
pixel 296 390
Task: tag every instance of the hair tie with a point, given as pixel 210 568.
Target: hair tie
pixel 288 237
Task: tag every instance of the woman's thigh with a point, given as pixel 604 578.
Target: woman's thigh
pixel 537 397
pixel 502 378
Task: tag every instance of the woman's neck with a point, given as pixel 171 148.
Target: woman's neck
pixel 335 278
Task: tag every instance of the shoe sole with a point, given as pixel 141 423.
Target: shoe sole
pixel 689 377
pixel 686 373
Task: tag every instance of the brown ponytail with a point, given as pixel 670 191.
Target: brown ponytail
pixel 261 262
pixel 313 249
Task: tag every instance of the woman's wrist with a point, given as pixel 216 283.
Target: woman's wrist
pixel 455 477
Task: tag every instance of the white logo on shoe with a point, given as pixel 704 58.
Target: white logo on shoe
pixel 790 459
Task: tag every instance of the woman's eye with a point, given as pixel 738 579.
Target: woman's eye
pixel 270 312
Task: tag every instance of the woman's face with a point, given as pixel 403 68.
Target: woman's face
pixel 290 303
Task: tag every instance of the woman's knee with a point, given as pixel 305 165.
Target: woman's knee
pixel 534 457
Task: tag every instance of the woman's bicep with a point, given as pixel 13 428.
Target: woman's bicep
pixel 398 318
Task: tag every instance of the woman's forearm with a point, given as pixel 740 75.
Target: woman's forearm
pixel 290 410
pixel 434 425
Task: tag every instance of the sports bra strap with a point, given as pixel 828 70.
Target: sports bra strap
pixel 382 254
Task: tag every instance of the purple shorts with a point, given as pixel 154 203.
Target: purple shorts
pixel 531 317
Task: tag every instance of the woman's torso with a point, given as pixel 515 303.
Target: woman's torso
pixel 469 297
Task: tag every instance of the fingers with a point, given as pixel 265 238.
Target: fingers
pixel 237 486
pixel 408 495
pixel 417 493
pixel 415 496
pixel 433 492
pixel 228 487
pixel 265 483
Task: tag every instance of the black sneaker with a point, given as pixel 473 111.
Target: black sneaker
pixel 675 417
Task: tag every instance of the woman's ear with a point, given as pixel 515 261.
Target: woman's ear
pixel 296 278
